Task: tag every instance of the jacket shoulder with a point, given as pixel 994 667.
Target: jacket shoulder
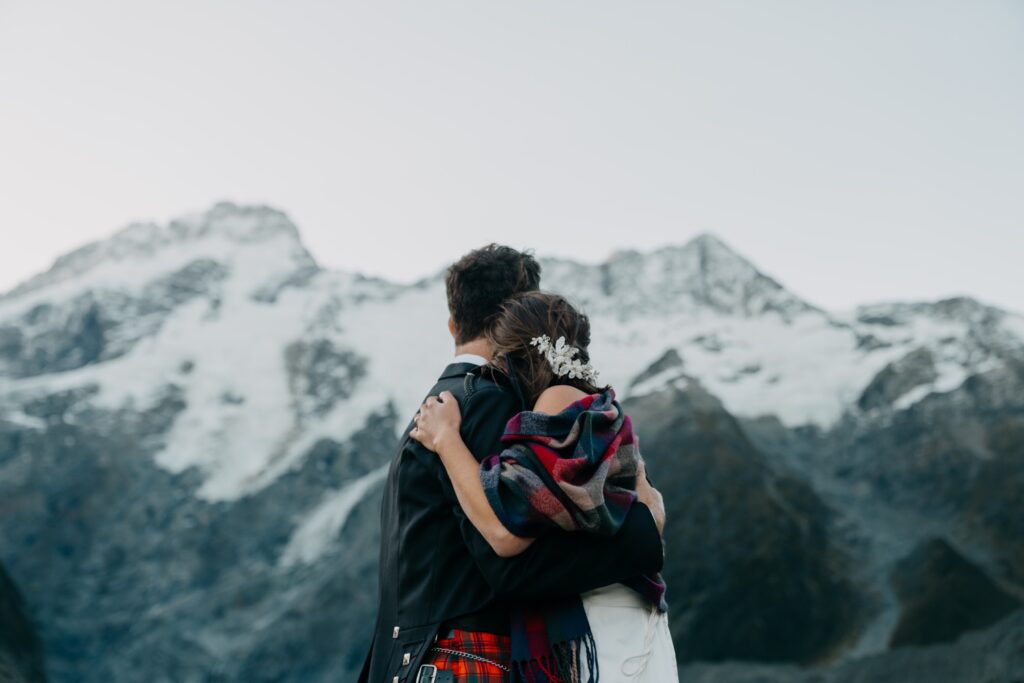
pixel 483 382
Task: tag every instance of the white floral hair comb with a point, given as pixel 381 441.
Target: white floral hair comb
pixel 560 356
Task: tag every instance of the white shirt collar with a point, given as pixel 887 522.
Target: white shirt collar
pixel 470 358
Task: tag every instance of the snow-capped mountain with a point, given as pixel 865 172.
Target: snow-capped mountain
pixel 195 419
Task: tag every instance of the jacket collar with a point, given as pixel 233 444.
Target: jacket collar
pixel 470 358
pixel 457 369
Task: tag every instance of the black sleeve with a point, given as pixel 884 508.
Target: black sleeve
pixel 558 562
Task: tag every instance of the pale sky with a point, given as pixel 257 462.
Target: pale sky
pixel 855 151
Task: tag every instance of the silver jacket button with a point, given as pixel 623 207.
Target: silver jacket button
pixel 406 659
pixel 394 634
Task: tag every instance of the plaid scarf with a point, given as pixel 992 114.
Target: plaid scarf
pixel 575 471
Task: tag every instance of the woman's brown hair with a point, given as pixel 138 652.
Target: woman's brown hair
pixel 524 316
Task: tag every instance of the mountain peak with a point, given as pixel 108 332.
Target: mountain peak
pixel 708 240
pixel 224 226
pixel 703 273
pixel 714 254
pixel 239 223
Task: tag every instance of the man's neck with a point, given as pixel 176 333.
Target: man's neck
pixel 478 347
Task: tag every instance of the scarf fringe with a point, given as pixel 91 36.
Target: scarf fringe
pixel 563 665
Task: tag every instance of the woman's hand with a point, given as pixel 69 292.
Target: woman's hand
pixel 437 421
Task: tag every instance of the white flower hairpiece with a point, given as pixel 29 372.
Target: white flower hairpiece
pixel 560 356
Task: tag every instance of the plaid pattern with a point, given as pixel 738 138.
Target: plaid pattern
pixel 575 471
pixel 489 645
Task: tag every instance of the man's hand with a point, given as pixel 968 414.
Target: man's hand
pixel 651 497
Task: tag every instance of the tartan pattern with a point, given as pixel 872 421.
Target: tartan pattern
pixel 489 645
pixel 575 470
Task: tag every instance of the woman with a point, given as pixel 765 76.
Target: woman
pixel 572 462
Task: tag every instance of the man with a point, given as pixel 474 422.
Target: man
pixel 441 584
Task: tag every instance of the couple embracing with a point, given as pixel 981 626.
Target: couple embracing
pixel 520 537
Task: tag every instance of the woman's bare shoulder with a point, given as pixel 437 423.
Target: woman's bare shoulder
pixel 557 398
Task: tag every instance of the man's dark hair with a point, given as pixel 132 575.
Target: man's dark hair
pixel 480 281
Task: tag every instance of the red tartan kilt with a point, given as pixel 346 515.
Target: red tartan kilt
pixel 489 645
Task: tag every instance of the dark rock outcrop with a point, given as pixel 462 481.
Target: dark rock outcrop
pixel 750 570
pixel 668 360
pixel 136 578
pixel 896 379
pixel 944 595
pixel 995 503
pixel 995 655
pixel 21 655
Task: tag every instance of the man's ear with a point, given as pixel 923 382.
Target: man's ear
pixel 451 326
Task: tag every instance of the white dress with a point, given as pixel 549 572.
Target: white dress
pixel 632 637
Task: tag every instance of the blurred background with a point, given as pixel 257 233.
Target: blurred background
pixel 796 228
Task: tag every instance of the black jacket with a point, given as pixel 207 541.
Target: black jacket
pixel 435 565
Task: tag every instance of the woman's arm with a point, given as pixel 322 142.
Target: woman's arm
pixel 437 428
pixel 464 471
pixel 558 562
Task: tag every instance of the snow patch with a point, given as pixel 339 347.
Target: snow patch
pixel 21 419
pixel 669 377
pixel 314 536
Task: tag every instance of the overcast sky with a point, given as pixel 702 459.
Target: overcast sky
pixel 856 151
